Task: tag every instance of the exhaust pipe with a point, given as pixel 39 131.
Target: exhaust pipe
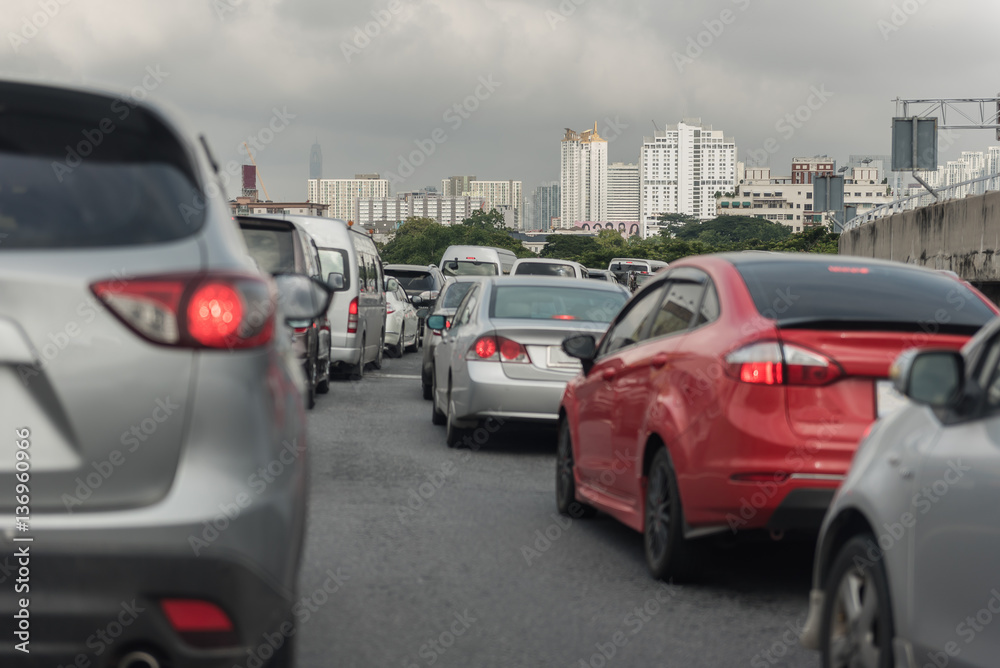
pixel 777 535
pixel 139 660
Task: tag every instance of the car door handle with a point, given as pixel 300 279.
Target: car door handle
pixel 659 360
pixel 608 374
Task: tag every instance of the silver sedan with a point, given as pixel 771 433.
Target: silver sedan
pixel 906 565
pixel 501 356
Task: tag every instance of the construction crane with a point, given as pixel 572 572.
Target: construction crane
pixel 257 169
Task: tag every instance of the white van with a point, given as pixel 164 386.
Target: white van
pixel 477 261
pixel 541 266
pixel 356 313
pixel 623 266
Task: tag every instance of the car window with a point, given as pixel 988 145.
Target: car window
pixel 272 249
pixel 544 269
pixel 454 294
pixel 332 261
pixel 413 280
pixel 555 303
pixel 467 307
pixel 709 311
pixel 677 310
pixel 362 273
pixel 631 325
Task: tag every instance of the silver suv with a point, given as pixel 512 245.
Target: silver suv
pixel 152 473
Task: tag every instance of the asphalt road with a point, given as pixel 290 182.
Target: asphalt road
pixel 418 555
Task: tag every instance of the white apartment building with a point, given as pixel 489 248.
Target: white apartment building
pixel 623 192
pixel 681 169
pixel 340 194
pixel 583 177
pixel 500 195
pixel 781 200
pixel 444 210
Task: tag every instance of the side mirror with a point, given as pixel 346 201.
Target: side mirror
pixel 583 347
pixel 932 377
pixel 302 297
pixel 437 322
pixel 335 281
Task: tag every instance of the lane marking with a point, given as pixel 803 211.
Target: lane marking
pixel 394 375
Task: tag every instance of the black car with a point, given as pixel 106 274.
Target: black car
pixel 422 284
pixel 282 247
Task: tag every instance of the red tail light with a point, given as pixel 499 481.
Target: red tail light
pixel 193 310
pixel 771 363
pixel 389 310
pixel 352 317
pixel 498 348
pixel 199 623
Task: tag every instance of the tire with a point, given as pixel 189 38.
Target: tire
pixel 380 355
pixel 428 390
pixel 668 554
pixel 437 417
pixel 454 435
pixel 857 635
pixel 357 371
pixel 324 385
pixel 311 395
pixel 413 347
pixel 566 501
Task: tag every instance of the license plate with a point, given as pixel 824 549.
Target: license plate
pixel 558 359
pixel 887 399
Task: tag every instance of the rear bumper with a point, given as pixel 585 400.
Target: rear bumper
pixel 345 355
pixel 802 508
pixel 93 609
pixel 492 393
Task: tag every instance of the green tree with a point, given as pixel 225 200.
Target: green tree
pixel 670 222
pixel 491 219
pixel 728 229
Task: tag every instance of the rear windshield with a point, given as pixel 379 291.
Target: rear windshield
pixel 555 303
pixel 642 278
pixel 412 280
pixel 841 294
pixel 629 266
pixel 75 173
pixel 469 268
pixel 271 249
pixel 454 294
pixel 545 269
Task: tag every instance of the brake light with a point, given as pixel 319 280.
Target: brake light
pixel 564 317
pixel 389 310
pixel 199 623
pixel 352 317
pixel 771 363
pixel 498 348
pixel 193 310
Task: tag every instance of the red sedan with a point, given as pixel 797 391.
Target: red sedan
pixel 731 392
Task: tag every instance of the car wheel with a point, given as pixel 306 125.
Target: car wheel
pixel 668 554
pixel 566 501
pixel 380 355
pixel 454 434
pixel 311 395
pixel 437 417
pixel 357 372
pixel 856 624
pixel 324 385
pixel 425 385
pixel 412 348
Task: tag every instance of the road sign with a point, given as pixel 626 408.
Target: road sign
pixel 914 144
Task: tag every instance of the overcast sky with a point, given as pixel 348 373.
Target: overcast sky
pixel 377 82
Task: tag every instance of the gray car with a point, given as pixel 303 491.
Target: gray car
pixel 153 478
pixel 906 564
pixel 502 356
pixel 447 301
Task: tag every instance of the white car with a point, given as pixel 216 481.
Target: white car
pixel 539 266
pixel 401 322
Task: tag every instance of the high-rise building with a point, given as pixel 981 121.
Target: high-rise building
pixel 456 185
pixel 583 178
pixel 422 204
pixel 623 192
pixel 681 169
pixel 506 194
pixel 315 161
pixel 545 206
pixel 804 170
pixel 341 193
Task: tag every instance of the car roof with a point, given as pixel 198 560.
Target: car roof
pixel 533 280
pixel 545 260
pixel 429 268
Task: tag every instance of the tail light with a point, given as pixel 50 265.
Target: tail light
pixel 498 349
pixel 193 310
pixel 352 317
pixel 389 310
pixel 199 623
pixel 447 325
pixel 773 363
